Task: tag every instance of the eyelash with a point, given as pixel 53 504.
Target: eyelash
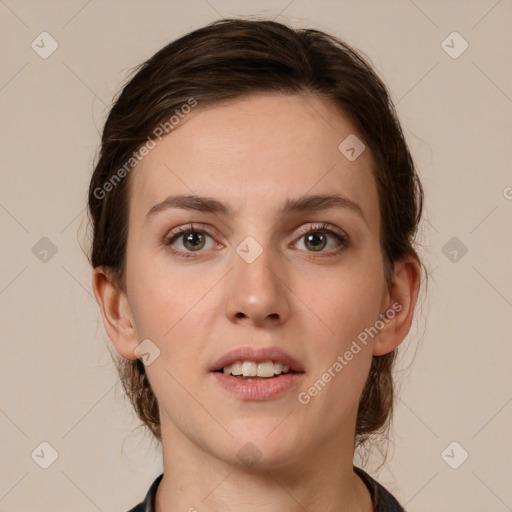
pixel 318 228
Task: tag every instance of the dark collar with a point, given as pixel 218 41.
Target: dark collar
pixel 382 499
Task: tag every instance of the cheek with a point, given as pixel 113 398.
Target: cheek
pixel 159 299
pixel 342 309
pixel 341 305
pixel 172 311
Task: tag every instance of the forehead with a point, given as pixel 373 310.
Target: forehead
pixel 254 153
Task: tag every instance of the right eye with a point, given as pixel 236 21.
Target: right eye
pixel 193 240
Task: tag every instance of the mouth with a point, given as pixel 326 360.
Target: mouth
pixel 250 380
pixel 257 362
pixel 253 371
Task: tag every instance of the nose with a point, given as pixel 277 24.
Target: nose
pixel 257 291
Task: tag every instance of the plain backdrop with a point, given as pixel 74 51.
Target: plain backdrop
pixel 59 386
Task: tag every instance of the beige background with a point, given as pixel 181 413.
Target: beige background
pixel 58 383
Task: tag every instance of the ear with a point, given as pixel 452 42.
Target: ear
pixel 115 310
pixel 399 306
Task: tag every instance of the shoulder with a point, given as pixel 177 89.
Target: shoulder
pixel 383 500
pixel 148 505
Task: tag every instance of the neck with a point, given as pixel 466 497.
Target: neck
pixel 319 480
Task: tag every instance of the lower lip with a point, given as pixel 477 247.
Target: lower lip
pixel 258 390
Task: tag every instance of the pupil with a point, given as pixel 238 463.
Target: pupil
pixel 189 239
pixel 315 236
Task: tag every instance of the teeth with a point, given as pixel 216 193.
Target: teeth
pixel 249 369
pixel 236 368
pixel 266 369
pixel 252 369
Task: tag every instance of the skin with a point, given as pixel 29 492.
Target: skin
pixel 254 153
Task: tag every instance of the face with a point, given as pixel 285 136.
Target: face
pixel 253 274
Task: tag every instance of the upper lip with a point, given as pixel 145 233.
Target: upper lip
pixel 258 355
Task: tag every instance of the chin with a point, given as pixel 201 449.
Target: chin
pixel 263 447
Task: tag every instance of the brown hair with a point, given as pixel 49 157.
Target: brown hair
pixel 228 59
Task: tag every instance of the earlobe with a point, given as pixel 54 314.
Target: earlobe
pixel 116 314
pixel 399 310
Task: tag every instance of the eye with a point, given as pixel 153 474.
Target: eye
pixel 316 239
pixel 193 240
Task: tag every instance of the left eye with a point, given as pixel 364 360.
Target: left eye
pixel 316 239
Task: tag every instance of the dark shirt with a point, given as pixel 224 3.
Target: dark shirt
pixel 382 499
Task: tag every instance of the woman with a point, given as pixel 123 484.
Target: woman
pixel 254 209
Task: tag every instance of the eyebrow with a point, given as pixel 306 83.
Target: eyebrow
pixel 310 203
